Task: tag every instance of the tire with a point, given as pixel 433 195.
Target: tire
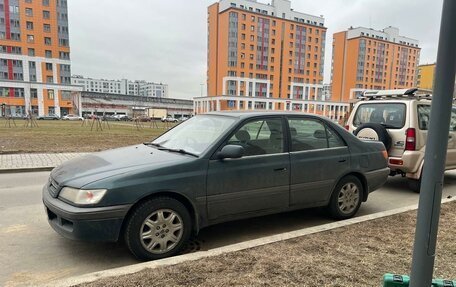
pixel 414 184
pixel 346 185
pixel 374 132
pixel 160 247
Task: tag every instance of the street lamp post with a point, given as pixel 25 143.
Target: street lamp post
pixel 435 153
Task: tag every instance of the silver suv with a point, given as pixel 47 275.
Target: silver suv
pixel 400 119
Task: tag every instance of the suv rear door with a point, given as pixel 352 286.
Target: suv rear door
pixel 390 114
pixel 424 111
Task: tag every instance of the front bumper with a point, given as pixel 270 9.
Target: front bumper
pixel 84 223
pixel 377 178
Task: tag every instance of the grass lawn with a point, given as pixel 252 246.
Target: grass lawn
pixel 70 136
pixel 355 255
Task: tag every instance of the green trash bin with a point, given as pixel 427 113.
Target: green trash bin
pixel 394 280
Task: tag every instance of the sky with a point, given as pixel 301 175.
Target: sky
pixel 166 40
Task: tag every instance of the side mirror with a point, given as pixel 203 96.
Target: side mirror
pixel 231 151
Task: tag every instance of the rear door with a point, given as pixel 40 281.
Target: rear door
pixel 318 158
pixel 424 111
pixel 391 115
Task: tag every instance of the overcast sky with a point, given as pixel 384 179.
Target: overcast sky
pixel 165 40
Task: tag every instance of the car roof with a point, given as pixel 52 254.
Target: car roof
pixel 251 114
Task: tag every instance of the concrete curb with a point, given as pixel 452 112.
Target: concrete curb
pixel 26 169
pixel 87 278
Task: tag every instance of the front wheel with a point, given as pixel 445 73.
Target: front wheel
pixel 158 228
pixel 346 198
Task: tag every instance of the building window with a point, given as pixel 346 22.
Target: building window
pixel 63 42
pixel 31 52
pixel 45 2
pixel 30 39
pixel 64 55
pixel 50 94
pixel 34 93
pixel 46 14
pixel 66 95
pixel 29 25
pixel 48 54
pixel 16 36
pixel 47 41
pixel 49 79
pixel 29 12
pixel 46 28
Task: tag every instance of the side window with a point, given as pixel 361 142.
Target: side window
pixel 260 137
pixel 424 112
pixel 334 139
pixel 453 120
pixel 309 134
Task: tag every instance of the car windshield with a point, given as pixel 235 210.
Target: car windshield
pixel 196 134
pixel 391 115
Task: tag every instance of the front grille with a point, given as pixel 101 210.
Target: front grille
pixel 53 188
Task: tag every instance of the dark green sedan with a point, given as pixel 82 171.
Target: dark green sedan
pixel 209 169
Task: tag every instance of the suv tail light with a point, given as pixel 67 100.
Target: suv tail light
pixel 347 127
pixel 410 139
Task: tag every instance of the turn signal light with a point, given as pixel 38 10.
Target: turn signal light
pixel 385 154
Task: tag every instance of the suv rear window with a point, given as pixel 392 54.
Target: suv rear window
pixel 391 115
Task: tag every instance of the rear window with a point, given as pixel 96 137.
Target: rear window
pixel 391 115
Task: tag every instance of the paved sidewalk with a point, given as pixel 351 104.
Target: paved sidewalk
pixel 33 161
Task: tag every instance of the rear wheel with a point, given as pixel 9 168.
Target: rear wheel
pixel 346 198
pixel 158 228
pixel 414 184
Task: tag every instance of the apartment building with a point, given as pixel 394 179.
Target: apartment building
pixel 35 66
pixel 367 59
pixel 122 87
pixel 264 57
pixel 425 77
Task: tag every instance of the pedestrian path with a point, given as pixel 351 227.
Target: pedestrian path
pixel 34 161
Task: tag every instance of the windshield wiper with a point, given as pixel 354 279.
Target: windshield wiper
pixel 182 151
pixel 389 126
pixel 152 144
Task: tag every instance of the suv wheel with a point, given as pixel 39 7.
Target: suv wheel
pixel 346 198
pixel 375 132
pixel 158 228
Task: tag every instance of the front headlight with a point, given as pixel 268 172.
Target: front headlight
pixel 82 196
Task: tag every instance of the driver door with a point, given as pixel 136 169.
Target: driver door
pixel 255 183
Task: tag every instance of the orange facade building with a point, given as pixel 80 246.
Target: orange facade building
pixel 35 67
pixel 367 59
pixel 264 57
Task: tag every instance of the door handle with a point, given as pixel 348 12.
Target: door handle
pixel 280 169
pixel 342 160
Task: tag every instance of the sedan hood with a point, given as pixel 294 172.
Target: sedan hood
pixel 86 169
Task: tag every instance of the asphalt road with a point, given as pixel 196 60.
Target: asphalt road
pixel 32 253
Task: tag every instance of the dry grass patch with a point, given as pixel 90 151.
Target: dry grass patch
pixel 71 136
pixel 355 255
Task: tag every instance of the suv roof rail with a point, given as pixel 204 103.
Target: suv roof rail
pixel 398 93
